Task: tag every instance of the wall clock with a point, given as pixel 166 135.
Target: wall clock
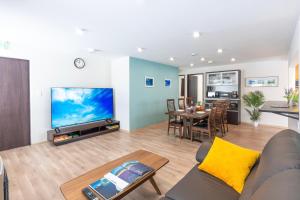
pixel 79 63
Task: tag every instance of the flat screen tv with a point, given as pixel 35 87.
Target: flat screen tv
pixel 71 106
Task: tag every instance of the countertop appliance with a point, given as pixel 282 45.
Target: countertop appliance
pixel 234 94
pixel 224 94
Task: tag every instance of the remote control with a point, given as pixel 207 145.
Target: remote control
pixel 89 194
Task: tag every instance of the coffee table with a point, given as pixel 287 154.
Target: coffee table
pixel 72 189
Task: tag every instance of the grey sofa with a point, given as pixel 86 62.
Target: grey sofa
pixel 275 176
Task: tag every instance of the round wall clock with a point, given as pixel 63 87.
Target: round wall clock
pixel 79 63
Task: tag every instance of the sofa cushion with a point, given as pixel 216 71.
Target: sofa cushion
pixel 200 185
pixel 229 162
pixel 284 185
pixel 281 153
pixel 202 151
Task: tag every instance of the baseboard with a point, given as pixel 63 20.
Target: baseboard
pixel 268 125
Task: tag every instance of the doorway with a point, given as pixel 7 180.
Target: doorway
pixel 195 87
pixel 181 86
pixel 14 103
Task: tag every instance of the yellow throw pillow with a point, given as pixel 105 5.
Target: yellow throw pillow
pixel 229 162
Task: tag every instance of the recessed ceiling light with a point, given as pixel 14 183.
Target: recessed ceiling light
pixel 140 50
pixel 92 50
pixel 220 51
pixel 171 59
pixel 194 54
pixel 196 34
pixel 233 59
pixel 210 62
pixel 80 31
pixel 202 59
pixel 192 64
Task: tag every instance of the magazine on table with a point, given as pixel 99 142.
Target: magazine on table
pixel 120 178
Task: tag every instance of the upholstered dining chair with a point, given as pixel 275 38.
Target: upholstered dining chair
pixel 207 127
pixel 181 103
pixel 174 121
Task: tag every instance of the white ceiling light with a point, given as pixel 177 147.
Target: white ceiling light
pixel 194 54
pixel 92 50
pixel 192 64
pixel 233 59
pixel 80 31
pixel 202 59
pixel 171 59
pixel 210 62
pixel 140 49
pixel 196 34
pixel 220 51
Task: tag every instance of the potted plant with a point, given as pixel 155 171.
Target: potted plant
pixel 254 101
pixel 296 97
pixel 288 94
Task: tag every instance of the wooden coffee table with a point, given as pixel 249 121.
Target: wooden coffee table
pixel 72 189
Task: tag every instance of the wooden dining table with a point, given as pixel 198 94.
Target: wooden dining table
pixel 188 119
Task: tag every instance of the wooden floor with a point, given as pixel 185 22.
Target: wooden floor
pixel 36 172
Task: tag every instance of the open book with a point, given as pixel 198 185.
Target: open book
pixel 120 178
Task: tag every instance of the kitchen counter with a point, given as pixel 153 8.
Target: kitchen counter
pixel 222 99
pixel 281 108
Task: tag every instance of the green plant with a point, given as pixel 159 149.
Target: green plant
pixel 288 94
pixel 254 100
pixel 295 98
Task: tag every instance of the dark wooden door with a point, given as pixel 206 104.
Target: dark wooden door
pixel 14 103
pixel 193 87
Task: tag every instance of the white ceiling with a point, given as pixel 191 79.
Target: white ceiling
pixel 245 29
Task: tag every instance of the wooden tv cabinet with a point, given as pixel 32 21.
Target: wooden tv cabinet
pixel 83 131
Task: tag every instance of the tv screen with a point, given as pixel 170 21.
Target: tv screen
pixel 70 106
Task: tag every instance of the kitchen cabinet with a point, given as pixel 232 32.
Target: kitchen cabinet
pixel 222 78
pixel 214 78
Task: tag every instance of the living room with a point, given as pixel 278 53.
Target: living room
pixel 137 60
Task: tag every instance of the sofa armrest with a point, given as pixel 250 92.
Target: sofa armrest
pixel 202 151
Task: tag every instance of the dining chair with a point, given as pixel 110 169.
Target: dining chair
pixel 225 116
pixel 205 128
pixel 221 115
pixel 181 103
pixel 173 121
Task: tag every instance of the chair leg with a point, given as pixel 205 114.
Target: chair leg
pixel 168 129
pixel 174 130
pixel 180 132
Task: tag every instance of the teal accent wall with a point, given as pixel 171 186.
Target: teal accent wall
pixel 148 105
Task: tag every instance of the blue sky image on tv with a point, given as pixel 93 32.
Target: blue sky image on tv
pixel 80 105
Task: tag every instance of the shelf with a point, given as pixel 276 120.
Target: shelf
pixel 82 131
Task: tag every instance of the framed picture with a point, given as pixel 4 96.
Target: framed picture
pixel 168 83
pixel 270 81
pixel 149 81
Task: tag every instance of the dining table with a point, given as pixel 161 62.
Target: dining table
pixel 188 118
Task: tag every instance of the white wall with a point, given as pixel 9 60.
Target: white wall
pixel 49 68
pixel 293 60
pixel 270 67
pixel 120 83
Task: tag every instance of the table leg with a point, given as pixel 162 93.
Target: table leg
pixel 184 127
pixel 152 181
pixel 190 127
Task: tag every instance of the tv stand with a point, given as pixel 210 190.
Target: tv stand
pixel 83 131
